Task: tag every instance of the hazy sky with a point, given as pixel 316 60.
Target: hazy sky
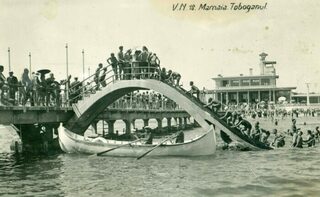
pixel 197 44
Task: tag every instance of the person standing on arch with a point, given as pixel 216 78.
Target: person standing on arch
pixel 127 70
pixel 144 67
pixel 112 60
pixel 102 78
pixel 121 62
pixel 96 76
pixel 154 62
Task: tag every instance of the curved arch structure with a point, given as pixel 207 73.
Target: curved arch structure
pixel 88 109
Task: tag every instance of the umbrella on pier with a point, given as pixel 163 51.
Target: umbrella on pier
pixel 282 98
pixel 44 71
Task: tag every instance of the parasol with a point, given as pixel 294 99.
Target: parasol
pixel 43 71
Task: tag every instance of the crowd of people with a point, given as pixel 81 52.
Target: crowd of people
pixel 235 119
pixel 41 91
pixel 34 88
pixel 131 64
pixel 269 111
pixel 134 64
pixel 37 89
pixel 297 139
pixel 145 100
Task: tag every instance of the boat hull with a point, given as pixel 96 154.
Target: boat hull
pixel 73 143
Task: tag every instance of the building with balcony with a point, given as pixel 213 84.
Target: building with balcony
pixel 305 98
pixel 252 88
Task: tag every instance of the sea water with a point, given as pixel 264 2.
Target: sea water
pixel 281 172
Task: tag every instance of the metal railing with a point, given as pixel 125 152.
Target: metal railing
pixel 110 74
pixel 37 94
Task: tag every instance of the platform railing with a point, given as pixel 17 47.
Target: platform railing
pixel 36 94
pixel 110 74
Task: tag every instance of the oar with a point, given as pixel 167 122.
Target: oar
pixel 169 138
pixel 111 149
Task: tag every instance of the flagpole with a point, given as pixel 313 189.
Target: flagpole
pixel 9 59
pixel 83 63
pixel 30 64
pixel 67 72
pixel 83 83
pixel 308 96
pixel 67 63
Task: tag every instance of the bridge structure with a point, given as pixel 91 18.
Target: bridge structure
pixel 142 78
pixel 36 125
pixel 18 115
pixel 90 104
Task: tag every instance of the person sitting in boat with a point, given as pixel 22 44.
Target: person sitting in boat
pixel 245 124
pixel 180 137
pixel 278 139
pixel 149 138
pixel 213 105
pixel 310 139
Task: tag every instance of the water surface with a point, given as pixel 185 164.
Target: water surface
pixel 282 172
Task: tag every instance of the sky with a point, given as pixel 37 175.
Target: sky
pixel 198 44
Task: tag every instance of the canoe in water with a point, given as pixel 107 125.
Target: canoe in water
pixel 73 143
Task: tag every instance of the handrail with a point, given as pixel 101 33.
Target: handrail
pixel 93 74
pixel 128 73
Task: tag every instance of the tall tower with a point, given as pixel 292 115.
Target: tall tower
pixel 262 63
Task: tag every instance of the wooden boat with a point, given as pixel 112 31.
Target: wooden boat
pixel 73 143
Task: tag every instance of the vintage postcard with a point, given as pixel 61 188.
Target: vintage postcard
pixel 159 98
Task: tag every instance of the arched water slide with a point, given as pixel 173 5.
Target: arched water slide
pixel 89 108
